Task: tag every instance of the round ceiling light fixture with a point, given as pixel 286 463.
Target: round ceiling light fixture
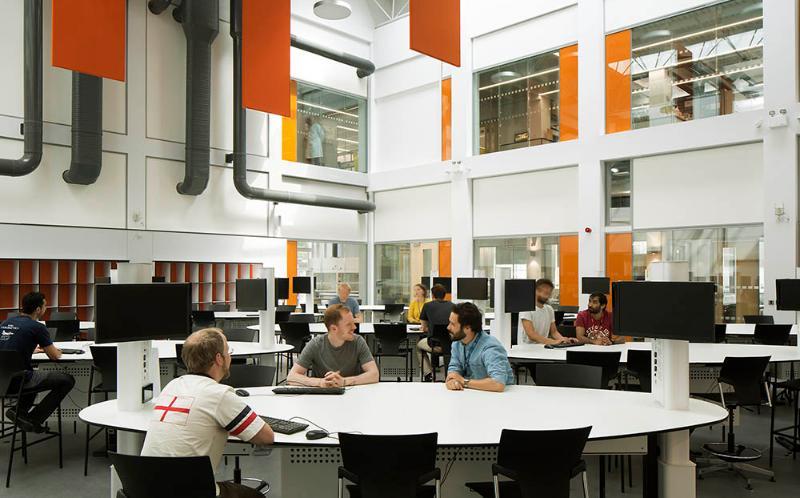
pixel 656 33
pixel 502 76
pixel 332 10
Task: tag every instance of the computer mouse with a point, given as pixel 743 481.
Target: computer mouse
pixel 242 393
pixel 316 434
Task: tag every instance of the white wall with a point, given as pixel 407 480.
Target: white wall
pixel 421 213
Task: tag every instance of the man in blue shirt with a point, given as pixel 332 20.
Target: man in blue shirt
pixel 26 335
pixel 477 360
pixel 343 297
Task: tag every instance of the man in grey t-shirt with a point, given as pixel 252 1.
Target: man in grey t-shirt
pixel 539 326
pixel 339 358
pixel 343 297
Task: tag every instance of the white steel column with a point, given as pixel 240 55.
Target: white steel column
pixel 461 224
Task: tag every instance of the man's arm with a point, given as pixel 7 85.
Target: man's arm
pixel 527 326
pixel 52 352
pixel 487 384
pixel 297 377
pixel 580 333
pixel 424 324
pixel 555 334
pixel 370 375
pixel 496 361
pixel 264 437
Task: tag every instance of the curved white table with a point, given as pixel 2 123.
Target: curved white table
pixel 364 328
pixel 166 350
pixel 748 329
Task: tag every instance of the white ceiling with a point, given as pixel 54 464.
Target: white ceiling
pixel 383 11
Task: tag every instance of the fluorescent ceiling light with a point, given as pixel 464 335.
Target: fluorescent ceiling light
pixel 347 128
pixel 542 73
pixel 317 106
pixel 332 10
pixel 615 170
pixel 699 59
pixel 548 93
pixel 656 33
pixel 347 141
pixel 502 76
pixel 697 33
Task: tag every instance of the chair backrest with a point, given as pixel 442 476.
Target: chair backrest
pixel 63 315
pixel 768 319
pixel 282 316
pixel 203 319
pixel 178 358
pixel 393 312
pixel 390 336
pixel 165 477
pixel 440 337
pixel 250 376
pixel 559 316
pixel 609 361
pixel 286 307
pixel 302 318
pixel 221 307
pixel 567 330
pixel 104 360
pixel 771 334
pixel 388 466
pixel 12 369
pixel 65 330
pixel 720 333
pixel 746 375
pixel 295 334
pixel 240 335
pixel 566 375
pixel 542 473
pixel 639 362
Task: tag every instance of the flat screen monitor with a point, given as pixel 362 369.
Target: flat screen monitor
pixel 682 311
pixel 472 288
pixel 520 295
pixel 281 288
pixel 159 280
pixel 590 285
pixel 301 285
pixel 446 281
pixel 426 281
pixel 788 294
pixel 142 312
pixel 251 294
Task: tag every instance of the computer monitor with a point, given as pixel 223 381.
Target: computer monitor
pixel 520 295
pixel 281 288
pixel 301 285
pixel 251 294
pixel 788 294
pixel 141 312
pixel 665 310
pixel 590 285
pixel 159 279
pixel 446 281
pixel 472 288
pixel 66 330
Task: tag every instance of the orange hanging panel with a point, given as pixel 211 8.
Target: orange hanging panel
pixel 436 29
pixel 266 38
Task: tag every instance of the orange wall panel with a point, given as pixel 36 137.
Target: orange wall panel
pixel 619 258
pixel 435 29
pixel 618 82
pixel 447 119
pixel 291 268
pixel 289 127
pixel 265 56
pixel 445 254
pixel 568 271
pixel 7 272
pixel 568 84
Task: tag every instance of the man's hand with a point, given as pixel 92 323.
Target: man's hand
pixel 38 350
pixel 602 341
pixel 454 382
pixel 334 379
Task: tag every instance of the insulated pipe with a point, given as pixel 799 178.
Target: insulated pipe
pixel 239 156
pixel 201 26
pixel 87 129
pixel 364 67
pixel 32 128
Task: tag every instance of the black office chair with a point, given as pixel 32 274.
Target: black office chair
pixel 559 316
pixel 405 466
pixel 788 436
pixel 393 313
pixel 241 335
pixel 221 307
pixel 746 376
pixel 63 315
pixel 179 364
pixel 282 316
pixel 567 330
pixel 535 473
pixel 766 319
pixel 104 363
pixel 164 477
pixel 720 333
pixel 440 344
pixel 639 365
pixel 203 319
pixel 286 308
pixel 609 361
pixel 302 318
pixel 771 334
pixel 569 309
pixel 295 334
pixel 566 375
pixel 65 330
pixel 389 339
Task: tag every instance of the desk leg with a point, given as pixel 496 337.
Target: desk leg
pixel 676 473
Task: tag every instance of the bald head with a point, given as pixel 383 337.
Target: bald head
pixel 201 349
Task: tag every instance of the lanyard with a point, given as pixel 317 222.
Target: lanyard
pixel 466 356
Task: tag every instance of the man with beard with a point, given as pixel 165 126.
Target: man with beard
pixel 195 414
pixel 477 361
pixel 595 325
pixel 539 326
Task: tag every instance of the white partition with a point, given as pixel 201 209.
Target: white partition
pixel 419 213
pixel 410 128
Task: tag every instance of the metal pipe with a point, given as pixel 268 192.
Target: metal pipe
pixel 32 127
pixel 87 130
pixel 364 67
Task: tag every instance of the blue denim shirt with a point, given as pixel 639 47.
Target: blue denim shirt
pixel 483 357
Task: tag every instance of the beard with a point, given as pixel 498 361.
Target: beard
pixel 542 300
pixel 594 311
pixel 457 336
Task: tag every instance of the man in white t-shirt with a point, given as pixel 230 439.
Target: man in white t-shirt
pixel 539 326
pixel 195 414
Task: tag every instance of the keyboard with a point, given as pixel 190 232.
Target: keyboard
pixel 562 346
pixel 308 390
pixel 284 426
pixel 72 351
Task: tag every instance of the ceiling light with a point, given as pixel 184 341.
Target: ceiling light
pixel 698 33
pixel 656 33
pixel 534 75
pixel 504 76
pixel 332 10
pixel 615 170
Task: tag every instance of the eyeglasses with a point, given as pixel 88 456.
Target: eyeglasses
pixel 230 351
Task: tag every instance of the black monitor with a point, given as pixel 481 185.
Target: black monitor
pixel 426 281
pixel 788 294
pixel 472 288
pixel 301 285
pixel 251 294
pixel 682 311
pixel 142 312
pixel 446 281
pixel 590 285
pixel 520 295
pixel 281 288
pixel 159 279
pixel 66 330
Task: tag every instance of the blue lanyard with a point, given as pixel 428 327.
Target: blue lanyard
pixel 474 345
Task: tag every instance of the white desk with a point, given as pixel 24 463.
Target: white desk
pixel 235 315
pixel 747 329
pixel 364 328
pixel 82 325
pixel 166 350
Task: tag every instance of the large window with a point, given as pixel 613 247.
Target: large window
pixel 618 193
pixel 731 257
pixel 331 263
pixel 518 104
pixel 399 266
pixel 331 128
pixel 707 62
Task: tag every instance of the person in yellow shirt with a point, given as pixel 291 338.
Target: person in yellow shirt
pixel 415 307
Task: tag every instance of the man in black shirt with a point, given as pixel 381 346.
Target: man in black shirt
pixel 436 312
pixel 27 336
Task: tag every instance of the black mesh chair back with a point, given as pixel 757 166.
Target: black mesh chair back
pixel 220 307
pixel 302 318
pixel 285 307
pixel 771 334
pixel 104 361
pixel 720 333
pixel 566 375
pixel 567 330
pixel 393 312
pixel 250 376
pixel 440 338
pixel 390 337
pixel 746 376
pixel 282 316
pixel 559 316
pixel 203 319
pixel 640 364
pixel 12 370
pixel 768 319
pixel 63 315
pixel 66 330
pixel 295 334
pixel 240 335
pixel 165 477
pixel 178 358
pixel 388 466
pixel 608 361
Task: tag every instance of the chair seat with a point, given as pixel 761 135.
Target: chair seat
pixel 508 489
pixel 739 454
pixel 422 491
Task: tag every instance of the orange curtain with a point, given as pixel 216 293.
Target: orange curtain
pixel 618 82
pixel 568 84
pixel 291 268
pixel 568 270
pixel 289 127
pixel 435 29
pixel 265 56
pixel 619 258
pixel 447 119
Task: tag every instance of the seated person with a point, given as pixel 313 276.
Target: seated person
pixel 195 414
pixel 539 326
pixel 478 360
pixel 436 312
pixel 416 304
pixel 339 358
pixel 343 297
pixel 595 325
pixel 26 335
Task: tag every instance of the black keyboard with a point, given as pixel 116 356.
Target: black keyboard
pixel 308 390
pixel 562 346
pixel 284 426
pixel 72 351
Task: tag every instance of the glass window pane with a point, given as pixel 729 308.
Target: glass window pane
pixel 331 263
pixel 618 193
pixel 399 266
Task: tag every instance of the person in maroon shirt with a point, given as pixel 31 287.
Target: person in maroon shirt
pixel 595 325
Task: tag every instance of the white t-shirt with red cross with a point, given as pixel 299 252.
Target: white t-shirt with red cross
pixel 194 417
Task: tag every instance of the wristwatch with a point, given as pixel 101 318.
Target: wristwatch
pixel 466 383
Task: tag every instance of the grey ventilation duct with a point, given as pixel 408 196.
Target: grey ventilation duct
pixel 364 67
pixel 87 129
pixel 32 127
pixel 239 156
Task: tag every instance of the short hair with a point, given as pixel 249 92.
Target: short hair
pixel 545 282
pixel 424 289
pixel 345 285
pixel 334 314
pixel 31 301
pixel 201 348
pixel 602 298
pixel 438 291
pixel 469 315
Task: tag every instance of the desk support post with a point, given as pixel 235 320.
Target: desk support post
pixel 676 472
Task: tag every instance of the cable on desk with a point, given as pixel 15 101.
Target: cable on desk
pixel 449 466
